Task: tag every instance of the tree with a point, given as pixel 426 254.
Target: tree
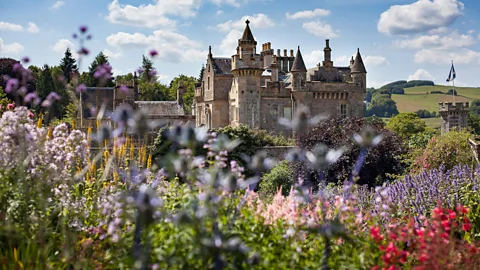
pixel 59 107
pixel 46 85
pixel 475 107
pixel 101 60
pixel 406 124
pixel 189 83
pixel 152 91
pixel 148 71
pixel 124 79
pixel 68 64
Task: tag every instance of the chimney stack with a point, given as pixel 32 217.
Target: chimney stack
pixel 284 52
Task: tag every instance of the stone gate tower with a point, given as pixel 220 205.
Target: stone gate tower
pixel 247 69
pixel 454 115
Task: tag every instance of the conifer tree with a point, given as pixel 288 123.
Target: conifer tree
pixel 68 64
pixel 100 59
pixel 148 70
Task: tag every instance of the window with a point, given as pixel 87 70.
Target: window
pixel 208 83
pixel 287 113
pixel 343 110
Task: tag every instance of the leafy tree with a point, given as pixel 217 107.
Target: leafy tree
pixel 474 123
pixel 189 83
pixel 59 107
pixel 281 176
pixel 124 78
pixel 68 64
pixel 46 85
pixel 153 91
pixel 87 79
pixel 380 163
pixel 452 92
pixel 100 59
pixel 6 68
pixel 475 107
pixel 406 124
pixel 147 70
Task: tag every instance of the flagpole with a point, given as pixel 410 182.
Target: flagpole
pixel 453 83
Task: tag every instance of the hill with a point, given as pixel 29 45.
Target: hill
pixel 420 97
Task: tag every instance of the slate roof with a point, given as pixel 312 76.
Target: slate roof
pixel 161 108
pixel 247 34
pixel 298 63
pixel 358 65
pixel 222 65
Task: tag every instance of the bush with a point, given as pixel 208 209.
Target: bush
pixel 380 161
pixel 281 176
pixel 452 92
pixel 418 83
pixel 436 92
pixel 406 124
pixel 446 151
pixel 398 91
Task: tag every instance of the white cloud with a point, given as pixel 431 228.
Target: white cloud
pixel 170 46
pixel 234 3
pixel 10 48
pixel 162 78
pixel 57 5
pixel 62 45
pixel 219 12
pixel 32 28
pixel 313 58
pixel 116 72
pixel 421 74
pixel 444 57
pixel 230 42
pixel 471 31
pixel 420 16
pixel 450 41
pixel 259 20
pixel 152 15
pixel 308 14
pixel 10 26
pixel 320 29
pixel 112 55
pixel 375 60
pixel 376 84
pixel 479 36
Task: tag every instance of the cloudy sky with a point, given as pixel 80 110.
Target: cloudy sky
pixel 398 39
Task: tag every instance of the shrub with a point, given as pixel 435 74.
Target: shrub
pixel 406 124
pixel 380 161
pixel 436 92
pixel 446 151
pixel 452 92
pixel 281 176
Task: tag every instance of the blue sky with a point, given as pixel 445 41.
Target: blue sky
pixel 398 39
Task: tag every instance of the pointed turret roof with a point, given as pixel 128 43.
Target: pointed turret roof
pixel 298 64
pixel 358 65
pixel 247 36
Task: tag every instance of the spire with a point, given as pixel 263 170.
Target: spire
pixel 298 64
pixel 358 66
pixel 247 37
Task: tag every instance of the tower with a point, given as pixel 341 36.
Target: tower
pixel 454 115
pixel 358 71
pixel 299 71
pixel 247 69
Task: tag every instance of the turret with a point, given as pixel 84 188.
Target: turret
pixel 247 44
pixel 299 71
pixel 358 71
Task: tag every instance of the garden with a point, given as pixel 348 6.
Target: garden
pixel 351 193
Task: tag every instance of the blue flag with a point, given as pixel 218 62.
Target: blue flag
pixel 451 75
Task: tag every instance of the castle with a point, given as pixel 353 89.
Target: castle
pixel 257 88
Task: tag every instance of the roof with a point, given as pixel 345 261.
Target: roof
pixel 222 65
pixel 298 64
pixel 358 65
pixel 247 34
pixel 166 108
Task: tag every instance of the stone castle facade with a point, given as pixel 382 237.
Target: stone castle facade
pixel 454 115
pixel 257 88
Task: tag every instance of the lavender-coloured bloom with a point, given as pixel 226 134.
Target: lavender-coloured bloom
pixel 124 89
pixel 22 90
pixel 16 67
pixel 140 70
pixel 12 84
pixel 153 72
pixel 53 96
pixel 83 29
pixel 74 36
pixel 153 53
pixel 31 97
pixel 83 51
pixel 89 37
pixel 81 88
pixel 46 103
pixel 25 59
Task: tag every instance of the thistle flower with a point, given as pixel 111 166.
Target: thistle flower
pixel 12 84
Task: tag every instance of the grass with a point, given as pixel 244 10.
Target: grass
pixel 416 98
pixel 430 122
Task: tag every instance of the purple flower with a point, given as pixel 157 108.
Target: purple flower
pixel 83 29
pixel 124 89
pixel 153 72
pixel 53 96
pixel 46 103
pixel 32 98
pixel 12 84
pixel 103 72
pixel 23 90
pixel 16 67
pixel 153 53
pixel 83 51
pixel 81 88
pixel 74 36
pixel 140 70
pixel 89 37
pixel 26 59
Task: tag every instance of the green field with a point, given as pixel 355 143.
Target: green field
pixel 416 98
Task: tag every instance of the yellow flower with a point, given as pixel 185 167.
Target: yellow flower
pixel 149 162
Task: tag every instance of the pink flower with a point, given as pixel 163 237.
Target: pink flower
pixel 10 106
pixel 124 89
pixel 81 88
pixel 30 115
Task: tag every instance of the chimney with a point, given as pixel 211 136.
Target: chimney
pixel 135 86
pixel 327 52
pixel 278 52
pixel 284 52
pixel 180 93
pixel 291 53
pixel 274 69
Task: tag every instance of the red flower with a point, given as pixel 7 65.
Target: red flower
pixel 462 209
pixel 391 247
pixel 423 257
pixel 30 115
pixel 467 226
pixel 10 106
pixel 375 233
pixel 437 211
pixel 451 214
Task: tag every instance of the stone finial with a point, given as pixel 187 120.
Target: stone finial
pixel 327 42
pixel 209 51
pixel 247 21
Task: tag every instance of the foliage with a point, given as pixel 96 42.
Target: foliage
pixel 68 64
pixel 406 124
pixel 100 60
pixel 188 82
pixel 474 123
pixel 452 92
pixel 152 91
pixel 282 176
pixel 446 151
pixel 474 107
pixel 426 114
pixel 335 133
pixel 148 71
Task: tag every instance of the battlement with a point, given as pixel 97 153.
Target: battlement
pixel 450 106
